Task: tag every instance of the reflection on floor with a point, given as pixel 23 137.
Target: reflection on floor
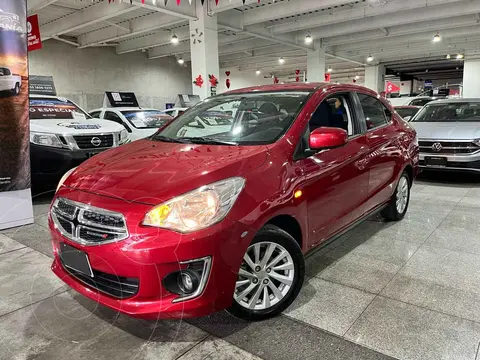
pixel 407 290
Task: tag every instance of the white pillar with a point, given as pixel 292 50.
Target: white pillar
pixel 375 77
pixel 204 49
pixel 471 78
pixel 316 63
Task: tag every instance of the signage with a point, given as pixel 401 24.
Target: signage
pixel 42 85
pixel 428 84
pixel 15 195
pixel 391 88
pixel 120 99
pixel 188 100
pixel 33 33
pixel 169 106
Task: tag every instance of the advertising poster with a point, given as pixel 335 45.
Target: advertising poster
pixel 14 122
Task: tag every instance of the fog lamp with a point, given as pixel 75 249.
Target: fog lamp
pixel 188 281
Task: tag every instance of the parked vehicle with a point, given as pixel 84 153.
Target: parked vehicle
pixel 407 112
pixel 175 226
pixel 10 82
pixel 139 123
pixel 449 135
pixel 62 136
pixel 174 112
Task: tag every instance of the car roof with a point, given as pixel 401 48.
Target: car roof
pixel 453 101
pixel 120 108
pixel 407 107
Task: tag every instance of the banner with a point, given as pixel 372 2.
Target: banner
pixel 15 196
pixel 120 99
pixel 33 33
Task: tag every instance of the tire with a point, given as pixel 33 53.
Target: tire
pixel 271 242
pixel 397 208
pixel 16 89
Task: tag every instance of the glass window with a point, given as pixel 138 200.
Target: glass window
pixel 373 110
pixel 420 102
pixel 449 112
pixel 237 119
pixel 95 114
pixel 333 112
pixel 406 111
pixel 147 119
pixel 109 115
pixel 55 108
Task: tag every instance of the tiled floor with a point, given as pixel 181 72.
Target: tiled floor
pixel 407 290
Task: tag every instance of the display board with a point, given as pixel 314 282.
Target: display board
pixel 120 99
pixel 15 195
pixel 42 85
pixel 187 100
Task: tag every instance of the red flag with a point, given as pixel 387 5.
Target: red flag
pixel 216 2
pixel 178 2
pixel 391 88
pixel 328 77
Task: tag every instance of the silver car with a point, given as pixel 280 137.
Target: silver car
pixel 449 134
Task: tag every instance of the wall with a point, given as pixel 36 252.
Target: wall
pixel 83 75
pixel 240 80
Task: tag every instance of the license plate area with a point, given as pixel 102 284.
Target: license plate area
pixel 75 259
pixel 436 161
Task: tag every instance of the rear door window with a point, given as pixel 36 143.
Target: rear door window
pixel 374 111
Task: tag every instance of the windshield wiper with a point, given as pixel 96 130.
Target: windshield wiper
pixel 168 139
pixel 208 141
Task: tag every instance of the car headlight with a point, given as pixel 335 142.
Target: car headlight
pixel 123 137
pixel 45 139
pixel 197 209
pixel 64 177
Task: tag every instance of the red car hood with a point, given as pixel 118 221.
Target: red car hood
pixel 152 172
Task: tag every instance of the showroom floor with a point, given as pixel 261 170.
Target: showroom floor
pixel 407 290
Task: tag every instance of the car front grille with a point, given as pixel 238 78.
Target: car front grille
pixel 448 147
pixel 94 141
pixel 116 286
pixel 88 225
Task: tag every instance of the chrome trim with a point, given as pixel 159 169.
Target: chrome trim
pixel 207 264
pixel 446 168
pixel 84 221
pixel 75 236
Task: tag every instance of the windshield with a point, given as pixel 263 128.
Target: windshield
pixel 56 108
pixel 146 119
pixel 449 112
pixel 237 119
pixel 404 112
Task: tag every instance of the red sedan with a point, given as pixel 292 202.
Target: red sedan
pixel 178 226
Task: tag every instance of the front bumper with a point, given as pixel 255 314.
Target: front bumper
pixel 150 254
pixel 467 162
pixel 49 164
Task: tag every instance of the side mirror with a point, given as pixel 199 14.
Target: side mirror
pixel 407 118
pixel 327 138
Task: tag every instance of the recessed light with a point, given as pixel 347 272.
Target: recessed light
pixel 258 72
pixel 370 58
pixel 181 61
pixel 281 60
pixel 329 70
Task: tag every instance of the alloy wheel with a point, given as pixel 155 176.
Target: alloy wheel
pixel 265 276
pixel 402 195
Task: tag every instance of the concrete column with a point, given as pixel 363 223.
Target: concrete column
pixel 375 77
pixel 471 78
pixel 316 63
pixel 204 50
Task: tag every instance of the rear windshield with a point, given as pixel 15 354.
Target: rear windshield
pixel 404 112
pixel 449 112
pixel 236 119
pixel 47 108
pixel 147 119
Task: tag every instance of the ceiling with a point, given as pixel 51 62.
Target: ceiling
pixel 253 36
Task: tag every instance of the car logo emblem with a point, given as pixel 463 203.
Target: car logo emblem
pixel 437 147
pixel 96 141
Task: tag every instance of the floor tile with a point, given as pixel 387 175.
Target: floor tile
pixel 415 230
pixel 283 338
pixel 437 190
pixel 217 349
pixel 473 193
pixel 69 326
pixel 408 332
pixel 34 236
pixel 25 277
pixel 464 220
pixel 442 280
pixel 455 238
pixel 7 244
pixel 329 306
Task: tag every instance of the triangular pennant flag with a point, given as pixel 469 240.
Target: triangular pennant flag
pixel 203 1
pixel 143 2
pixel 243 2
pixel 165 1
pixel 178 2
pixel 216 2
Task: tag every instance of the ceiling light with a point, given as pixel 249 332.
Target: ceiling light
pixel 308 39
pixel 181 61
pixel 437 38
pixel 258 72
pixel 329 70
pixel 174 39
pixel 448 56
pixel 426 70
pixel 370 58
pixel 357 77
pixel 460 56
pixel 281 60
